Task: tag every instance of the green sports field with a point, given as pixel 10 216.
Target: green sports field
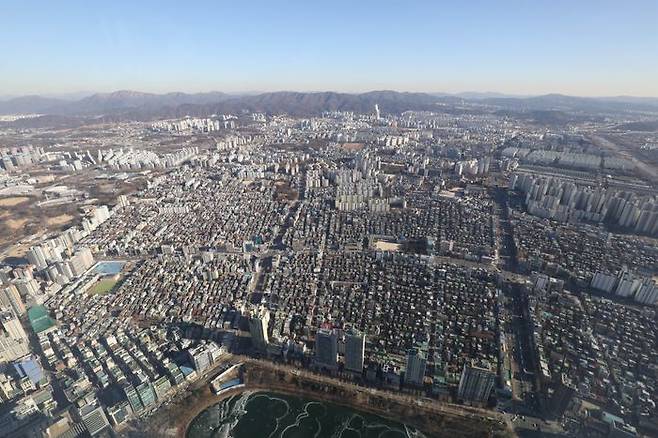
pixel 103 287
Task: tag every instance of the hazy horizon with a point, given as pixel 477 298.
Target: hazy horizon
pixel 73 96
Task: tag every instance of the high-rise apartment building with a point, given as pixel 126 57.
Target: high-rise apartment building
pixel 326 348
pixel 10 298
pixel 476 382
pixel 416 364
pixel 258 326
pixel 355 345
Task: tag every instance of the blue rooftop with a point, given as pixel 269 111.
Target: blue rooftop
pixel 29 367
pixel 109 268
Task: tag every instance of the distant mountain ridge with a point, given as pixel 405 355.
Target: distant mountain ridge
pixel 102 103
pixel 125 99
pixel 297 103
pixel 29 104
pixel 138 105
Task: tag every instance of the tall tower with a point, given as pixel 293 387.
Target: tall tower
pixel 258 324
pixel 416 363
pixel 326 348
pixel 476 382
pixel 355 345
pixel 377 114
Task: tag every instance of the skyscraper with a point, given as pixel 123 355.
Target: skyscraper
pixel 476 382
pixel 355 345
pixel 416 363
pixel 326 348
pixel 258 324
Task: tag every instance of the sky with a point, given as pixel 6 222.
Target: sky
pixel 576 47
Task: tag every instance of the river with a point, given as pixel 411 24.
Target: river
pixel 270 415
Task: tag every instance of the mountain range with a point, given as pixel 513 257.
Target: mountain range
pixel 144 106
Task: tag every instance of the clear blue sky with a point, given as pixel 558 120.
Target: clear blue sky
pixel 578 47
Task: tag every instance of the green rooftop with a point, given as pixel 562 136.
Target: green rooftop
pixel 39 319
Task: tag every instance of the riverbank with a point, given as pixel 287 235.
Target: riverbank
pixel 435 419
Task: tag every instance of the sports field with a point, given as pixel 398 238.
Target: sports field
pixel 103 287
